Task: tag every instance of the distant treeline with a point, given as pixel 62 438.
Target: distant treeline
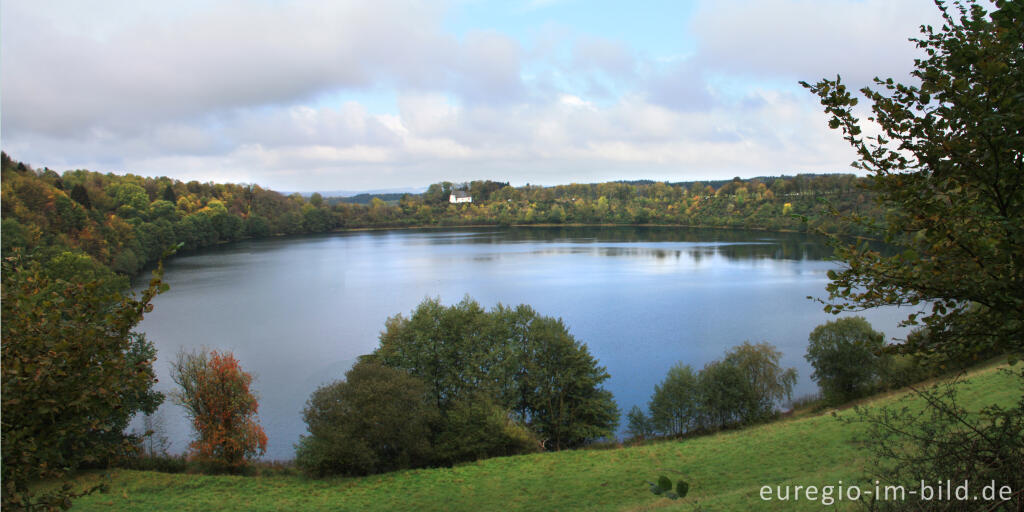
pixel 126 222
pixel 390 198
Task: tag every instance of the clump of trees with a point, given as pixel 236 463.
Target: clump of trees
pixel 848 359
pixel 216 395
pixel 73 375
pixel 481 383
pixel 525 362
pixel 742 388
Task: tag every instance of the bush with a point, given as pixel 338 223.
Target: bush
pixel 215 393
pixel 812 401
pixel 160 462
pixel 477 429
pixel 945 442
pixel 378 419
pixel 847 358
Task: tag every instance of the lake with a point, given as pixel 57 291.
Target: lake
pixel 296 312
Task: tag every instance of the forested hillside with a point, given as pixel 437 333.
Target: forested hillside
pixel 82 218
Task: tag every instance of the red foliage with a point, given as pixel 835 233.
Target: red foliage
pixel 225 416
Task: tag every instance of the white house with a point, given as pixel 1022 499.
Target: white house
pixel 460 196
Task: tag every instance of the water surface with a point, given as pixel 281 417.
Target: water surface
pixel 297 311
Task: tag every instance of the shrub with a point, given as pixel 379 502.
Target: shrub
pixel 215 393
pixel 846 355
pixel 378 419
pixel 946 442
pixel 478 428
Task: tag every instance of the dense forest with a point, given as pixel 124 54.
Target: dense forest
pixel 82 218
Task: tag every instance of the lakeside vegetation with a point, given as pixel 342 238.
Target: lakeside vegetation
pixel 726 472
pixel 946 169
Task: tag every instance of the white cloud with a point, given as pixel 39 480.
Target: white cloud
pixel 235 92
pixel 810 39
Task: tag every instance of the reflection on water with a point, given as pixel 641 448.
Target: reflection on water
pixel 728 243
pixel 298 311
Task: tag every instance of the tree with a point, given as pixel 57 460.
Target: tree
pixel 638 424
pixel 948 165
pixel 81 196
pixel 723 393
pixel 561 382
pixel 73 372
pixel 377 419
pixel 216 396
pixel 675 405
pixel 129 194
pixel 769 383
pixel 743 387
pixel 168 194
pixel 847 358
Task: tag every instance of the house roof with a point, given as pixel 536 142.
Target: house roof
pixel 460 193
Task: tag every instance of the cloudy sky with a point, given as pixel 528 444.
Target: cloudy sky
pixel 329 95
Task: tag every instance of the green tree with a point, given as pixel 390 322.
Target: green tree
pixel 129 194
pixel 564 401
pixel 638 424
pixel 377 419
pixel 168 195
pixel 847 358
pixel 948 165
pixel 743 387
pixel 769 383
pixel 675 405
pixel 81 196
pixel 724 393
pixel 444 346
pixel 73 372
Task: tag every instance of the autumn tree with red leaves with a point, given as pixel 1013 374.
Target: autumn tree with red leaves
pixel 217 396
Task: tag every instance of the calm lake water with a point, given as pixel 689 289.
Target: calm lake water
pixel 297 311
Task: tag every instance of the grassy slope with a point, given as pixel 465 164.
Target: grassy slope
pixel 725 472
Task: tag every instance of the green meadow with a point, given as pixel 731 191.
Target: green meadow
pixel 725 471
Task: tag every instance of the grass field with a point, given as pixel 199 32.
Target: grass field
pixel 725 472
